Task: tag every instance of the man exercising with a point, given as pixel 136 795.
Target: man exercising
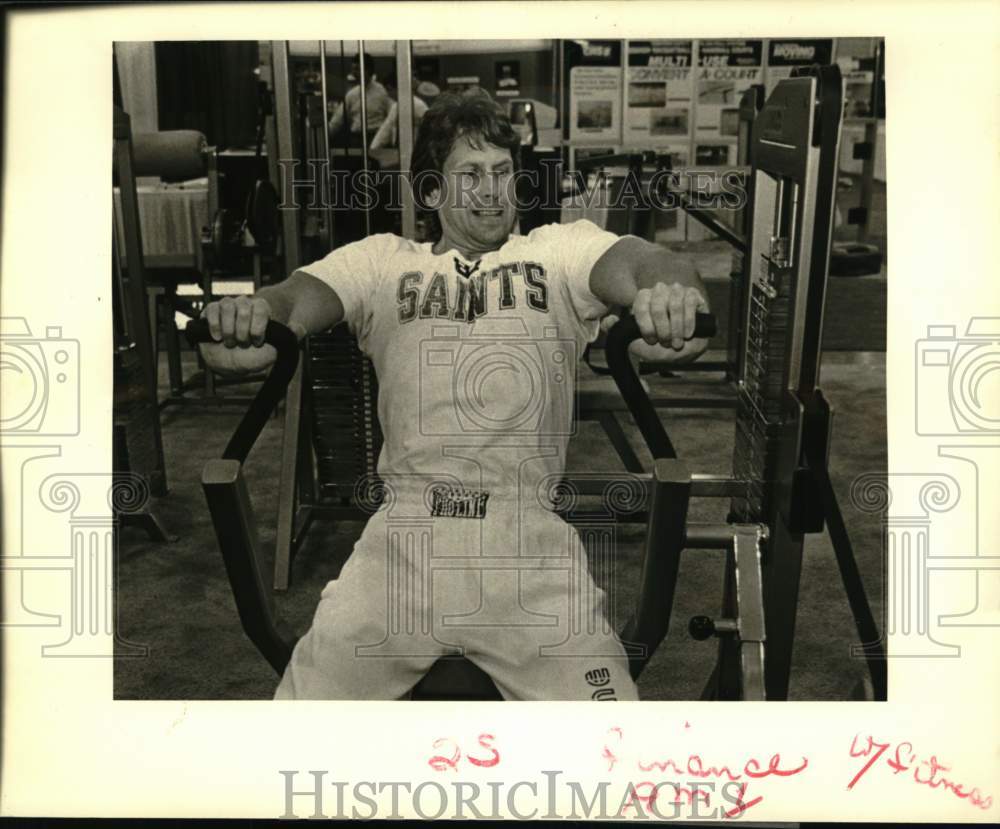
pixel 348 114
pixel 475 339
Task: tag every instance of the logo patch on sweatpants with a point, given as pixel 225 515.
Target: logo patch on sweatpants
pixel 456 502
pixel 599 677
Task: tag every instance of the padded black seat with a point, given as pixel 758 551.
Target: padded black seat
pixel 456 678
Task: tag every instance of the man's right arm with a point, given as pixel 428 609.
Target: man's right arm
pixel 237 324
pixel 303 303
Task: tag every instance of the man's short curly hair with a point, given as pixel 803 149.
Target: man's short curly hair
pixel 475 117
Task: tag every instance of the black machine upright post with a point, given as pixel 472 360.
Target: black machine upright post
pixel 665 541
pixel 142 441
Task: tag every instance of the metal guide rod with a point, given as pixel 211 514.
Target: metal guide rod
pixel 345 133
pixel 404 107
pixel 364 125
pixel 325 166
pixel 805 198
pixel 750 611
pixel 121 302
pixel 831 94
pixel 565 152
pixel 624 96
pixel 283 119
pixel 702 486
pixel 290 436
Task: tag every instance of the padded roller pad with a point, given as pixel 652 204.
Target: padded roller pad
pixel 174 155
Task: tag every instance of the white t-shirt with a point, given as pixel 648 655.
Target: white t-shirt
pixel 377 105
pixel 476 361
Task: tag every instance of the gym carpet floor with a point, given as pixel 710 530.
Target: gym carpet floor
pixel 174 598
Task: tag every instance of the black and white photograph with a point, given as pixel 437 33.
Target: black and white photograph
pixel 463 367
pixel 594 114
pixel 501 453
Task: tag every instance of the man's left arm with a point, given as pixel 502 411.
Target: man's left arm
pixel 663 291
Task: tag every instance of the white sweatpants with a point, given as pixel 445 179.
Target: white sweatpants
pixel 510 591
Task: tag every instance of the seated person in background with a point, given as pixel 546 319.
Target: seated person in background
pixel 475 338
pixel 388 133
pixel 348 114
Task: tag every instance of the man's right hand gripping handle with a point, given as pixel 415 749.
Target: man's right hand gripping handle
pixel 237 324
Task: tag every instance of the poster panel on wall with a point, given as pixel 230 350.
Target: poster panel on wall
pixel 595 94
pixel 659 92
pixel 726 69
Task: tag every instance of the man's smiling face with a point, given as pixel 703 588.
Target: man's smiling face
pixel 476 209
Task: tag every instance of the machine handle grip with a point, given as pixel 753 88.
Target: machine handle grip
pixel 271 391
pixel 704 326
pixel 622 334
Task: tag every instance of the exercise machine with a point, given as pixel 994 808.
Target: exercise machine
pixel 179 156
pixel 630 219
pixel 698 199
pixel 173 156
pixel 780 490
pixel 233 517
pixel 138 443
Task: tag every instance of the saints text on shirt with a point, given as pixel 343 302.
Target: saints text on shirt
pixel 466 298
